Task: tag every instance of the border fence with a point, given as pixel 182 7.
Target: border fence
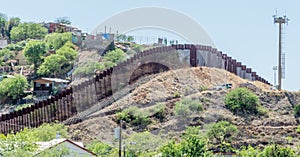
pixel 81 97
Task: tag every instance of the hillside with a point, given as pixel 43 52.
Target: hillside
pixel 277 126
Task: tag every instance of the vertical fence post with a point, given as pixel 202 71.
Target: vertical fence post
pixel 73 103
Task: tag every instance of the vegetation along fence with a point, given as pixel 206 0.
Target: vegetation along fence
pixel 79 98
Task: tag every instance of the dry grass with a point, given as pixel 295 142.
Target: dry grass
pixel 190 83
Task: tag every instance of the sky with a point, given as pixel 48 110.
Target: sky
pixel 242 29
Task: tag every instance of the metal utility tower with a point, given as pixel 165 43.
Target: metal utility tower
pixel 281 55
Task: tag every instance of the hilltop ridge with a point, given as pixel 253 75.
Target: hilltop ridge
pixel 202 83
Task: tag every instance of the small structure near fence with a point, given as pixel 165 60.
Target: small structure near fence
pixel 46 86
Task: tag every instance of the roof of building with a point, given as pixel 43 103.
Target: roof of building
pixel 48 80
pixel 50 144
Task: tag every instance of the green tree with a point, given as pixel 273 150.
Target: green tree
pixel 195 146
pixel 13 88
pixel 241 100
pixel 28 31
pixel 192 144
pixel 130 39
pixel 34 52
pixel 3 20
pixel 110 59
pixel 100 148
pixel 16 47
pixel 222 133
pixel 68 51
pixel 47 132
pixel 115 56
pixel 12 22
pixel 6 54
pixel 63 20
pixel 121 38
pixel 57 65
pixel 124 38
pixel 144 142
pixel 171 149
pixel 57 40
pixel 52 66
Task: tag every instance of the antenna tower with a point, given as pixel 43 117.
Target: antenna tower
pixel 281 54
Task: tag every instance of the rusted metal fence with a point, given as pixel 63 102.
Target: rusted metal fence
pixel 83 96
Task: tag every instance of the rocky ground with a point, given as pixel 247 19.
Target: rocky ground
pixel 278 125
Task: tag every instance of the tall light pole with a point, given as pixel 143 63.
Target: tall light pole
pixel 280 21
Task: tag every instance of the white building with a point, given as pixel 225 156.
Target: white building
pixel 75 149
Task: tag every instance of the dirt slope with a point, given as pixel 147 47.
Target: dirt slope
pixel 277 126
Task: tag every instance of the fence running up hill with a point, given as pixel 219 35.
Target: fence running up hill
pixel 83 96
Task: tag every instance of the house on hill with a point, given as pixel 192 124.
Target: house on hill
pixel 72 148
pixel 46 86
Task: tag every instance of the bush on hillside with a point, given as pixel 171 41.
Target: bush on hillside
pixel 158 111
pixel 297 110
pixel 12 88
pixel 187 106
pixel 275 150
pixel 221 135
pixel 134 116
pixel 241 100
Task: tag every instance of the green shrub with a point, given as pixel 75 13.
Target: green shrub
pixel 187 106
pixel 134 116
pixel 176 94
pixel 57 40
pixel 297 110
pixel 99 148
pixel 12 88
pixel 221 134
pixel 241 100
pixel 192 144
pixel 262 110
pixel 181 109
pixel 88 68
pixel 16 47
pixel 141 118
pixel 20 107
pixel 158 111
pixel 298 129
pixel 202 87
pixel 194 105
pixel 249 151
pixel 142 143
pixel 277 151
pixel 6 54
